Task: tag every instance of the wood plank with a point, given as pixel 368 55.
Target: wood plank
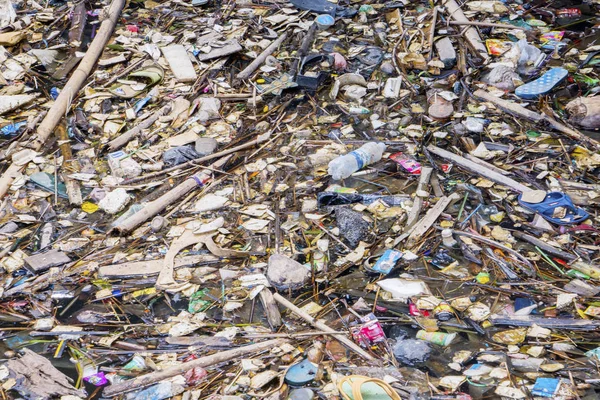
pixel 479 169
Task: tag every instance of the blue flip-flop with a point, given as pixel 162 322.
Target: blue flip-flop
pixel 553 200
pixel 542 85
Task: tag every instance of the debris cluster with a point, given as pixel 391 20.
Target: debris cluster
pixel 299 199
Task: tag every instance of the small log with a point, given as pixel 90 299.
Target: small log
pixel 203 362
pixel 171 197
pixel 123 139
pixel 471 34
pixel 249 70
pixel 418 202
pixel 271 310
pixel 432 32
pixel 478 169
pixel 423 225
pixel 73 188
pixel 519 111
pixel 320 325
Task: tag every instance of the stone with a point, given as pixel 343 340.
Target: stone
pixel 205 146
pixel 387 67
pixel 411 351
pixel 475 125
pixel 208 108
pixel 284 273
pixel 158 223
pixel 503 78
pixel 301 394
pixel 352 226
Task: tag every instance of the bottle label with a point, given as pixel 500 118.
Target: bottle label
pixel 360 158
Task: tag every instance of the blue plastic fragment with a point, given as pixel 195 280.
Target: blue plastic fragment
pixel 523 302
pixel 542 85
pixel 141 103
pixel 54 92
pixel 387 261
pixel 545 387
pixel 12 129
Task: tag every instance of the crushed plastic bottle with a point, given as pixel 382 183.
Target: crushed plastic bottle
pixel 344 166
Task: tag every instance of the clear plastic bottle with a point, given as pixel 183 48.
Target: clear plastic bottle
pixel 344 166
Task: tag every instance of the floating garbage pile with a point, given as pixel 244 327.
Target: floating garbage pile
pixel 299 200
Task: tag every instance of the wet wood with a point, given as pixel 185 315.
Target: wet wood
pixel 206 361
pixel 271 310
pixel 36 378
pixel 320 325
pixel 478 169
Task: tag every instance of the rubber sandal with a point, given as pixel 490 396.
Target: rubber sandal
pixel 146 78
pixel 553 203
pixel 542 85
pixel 358 387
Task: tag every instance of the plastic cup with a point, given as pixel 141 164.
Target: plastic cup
pixel 439 338
pixel 324 21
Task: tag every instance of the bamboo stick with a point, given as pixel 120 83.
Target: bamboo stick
pixel 245 74
pixel 207 361
pixel 470 33
pixel 260 139
pixel 517 110
pixel 320 325
pixel 486 25
pixel 123 139
pixel 176 194
pixel 69 91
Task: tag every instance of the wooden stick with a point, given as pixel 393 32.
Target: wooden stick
pixel 125 71
pixel 271 310
pixel 545 246
pixel 70 90
pixel 203 362
pixel 418 202
pixel 73 188
pixel 320 325
pixel 432 32
pixel 486 164
pixel 260 139
pixel 519 111
pixel 249 70
pixel 290 335
pixel 123 139
pixel 486 25
pixel 423 225
pixel 495 244
pixel 172 196
pixel 471 34
pixel 479 169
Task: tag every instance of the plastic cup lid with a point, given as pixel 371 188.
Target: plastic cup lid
pixel 325 19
